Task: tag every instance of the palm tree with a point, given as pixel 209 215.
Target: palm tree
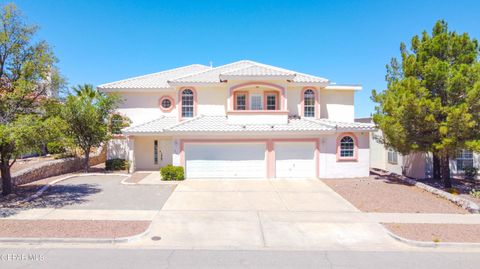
pixel 85 91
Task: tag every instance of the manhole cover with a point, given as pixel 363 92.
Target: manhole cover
pixel 156 238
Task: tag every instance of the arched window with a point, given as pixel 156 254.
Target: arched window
pixel 347 147
pixel 309 103
pixel 187 103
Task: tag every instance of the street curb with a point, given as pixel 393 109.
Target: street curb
pixel 32 240
pixel 426 244
pixel 45 187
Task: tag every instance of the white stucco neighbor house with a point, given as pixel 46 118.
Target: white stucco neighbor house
pixel 415 165
pixel 241 120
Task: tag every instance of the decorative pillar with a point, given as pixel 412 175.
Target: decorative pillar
pixel 270 159
pixel 131 153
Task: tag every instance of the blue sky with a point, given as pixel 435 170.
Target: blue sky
pixel 346 42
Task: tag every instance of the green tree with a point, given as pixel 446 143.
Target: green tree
pixel 87 117
pixel 27 76
pixel 431 103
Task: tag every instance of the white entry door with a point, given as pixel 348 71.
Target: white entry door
pixel 294 159
pixel 222 160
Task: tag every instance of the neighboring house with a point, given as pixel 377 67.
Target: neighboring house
pixel 241 120
pixel 415 165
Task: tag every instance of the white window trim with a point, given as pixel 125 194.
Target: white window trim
pixel 260 96
pixel 312 106
pixel 192 106
pixel 392 156
pixel 461 157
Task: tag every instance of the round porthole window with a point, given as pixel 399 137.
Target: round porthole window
pixel 166 103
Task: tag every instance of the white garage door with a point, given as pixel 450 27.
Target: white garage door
pixel 237 160
pixel 295 159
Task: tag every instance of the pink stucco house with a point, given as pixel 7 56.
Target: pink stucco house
pixel 241 120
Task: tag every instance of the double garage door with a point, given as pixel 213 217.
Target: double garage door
pixel 248 160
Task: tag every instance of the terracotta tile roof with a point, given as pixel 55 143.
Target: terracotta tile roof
pixel 154 126
pixel 156 80
pixel 205 124
pixel 249 69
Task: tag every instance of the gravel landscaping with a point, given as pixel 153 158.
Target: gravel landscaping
pixel 71 228
pixel 21 164
pixel 461 186
pixel 469 233
pixel 390 195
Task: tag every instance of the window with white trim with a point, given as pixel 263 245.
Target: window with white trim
pixel 392 156
pixel 309 103
pixel 271 101
pixel 347 147
pixel 256 102
pixel 241 101
pixel 187 103
pixel 464 159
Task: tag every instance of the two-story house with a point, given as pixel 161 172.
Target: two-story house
pixel 241 120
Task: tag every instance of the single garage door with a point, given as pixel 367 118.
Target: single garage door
pixel 236 160
pixel 294 159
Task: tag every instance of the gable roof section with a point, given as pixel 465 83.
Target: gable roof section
pixel 246 68
pixel 209 124
pixel 154 126
pixel 156 80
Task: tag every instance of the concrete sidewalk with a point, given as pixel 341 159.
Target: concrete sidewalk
pixel 277 215
pixel 80 214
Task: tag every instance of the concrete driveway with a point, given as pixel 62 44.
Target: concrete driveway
pixel 263 214
pixel 105 192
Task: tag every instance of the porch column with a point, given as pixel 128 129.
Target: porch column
pixel 270 159
pixel 131 153
pixel 177 154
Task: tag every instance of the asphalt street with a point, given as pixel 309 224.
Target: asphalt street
pixel 154 258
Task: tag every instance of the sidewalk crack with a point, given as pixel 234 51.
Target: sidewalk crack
pixel 261 229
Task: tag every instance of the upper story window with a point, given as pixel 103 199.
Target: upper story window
pixel 464 159
pixel 256 102
pixel 309 103
pixel 241 101
pixel 187 103
pixel 271 101
pixel 166 103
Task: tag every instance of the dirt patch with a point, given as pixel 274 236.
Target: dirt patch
pixel 71 228
pixel 469 233
pixel 390 195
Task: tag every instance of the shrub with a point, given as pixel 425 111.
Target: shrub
pixel 56 148
pixel 171 172
pixel 471 172
pixel 115 164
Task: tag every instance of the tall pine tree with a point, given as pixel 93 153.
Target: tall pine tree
pixel 432 100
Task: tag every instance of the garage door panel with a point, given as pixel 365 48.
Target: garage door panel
pixel 295 159
pixel 225 160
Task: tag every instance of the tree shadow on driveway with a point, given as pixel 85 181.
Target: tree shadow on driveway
pixel 55 196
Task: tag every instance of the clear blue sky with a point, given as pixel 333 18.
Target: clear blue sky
pixel 346 42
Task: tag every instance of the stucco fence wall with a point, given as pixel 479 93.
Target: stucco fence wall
pixel 57 167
